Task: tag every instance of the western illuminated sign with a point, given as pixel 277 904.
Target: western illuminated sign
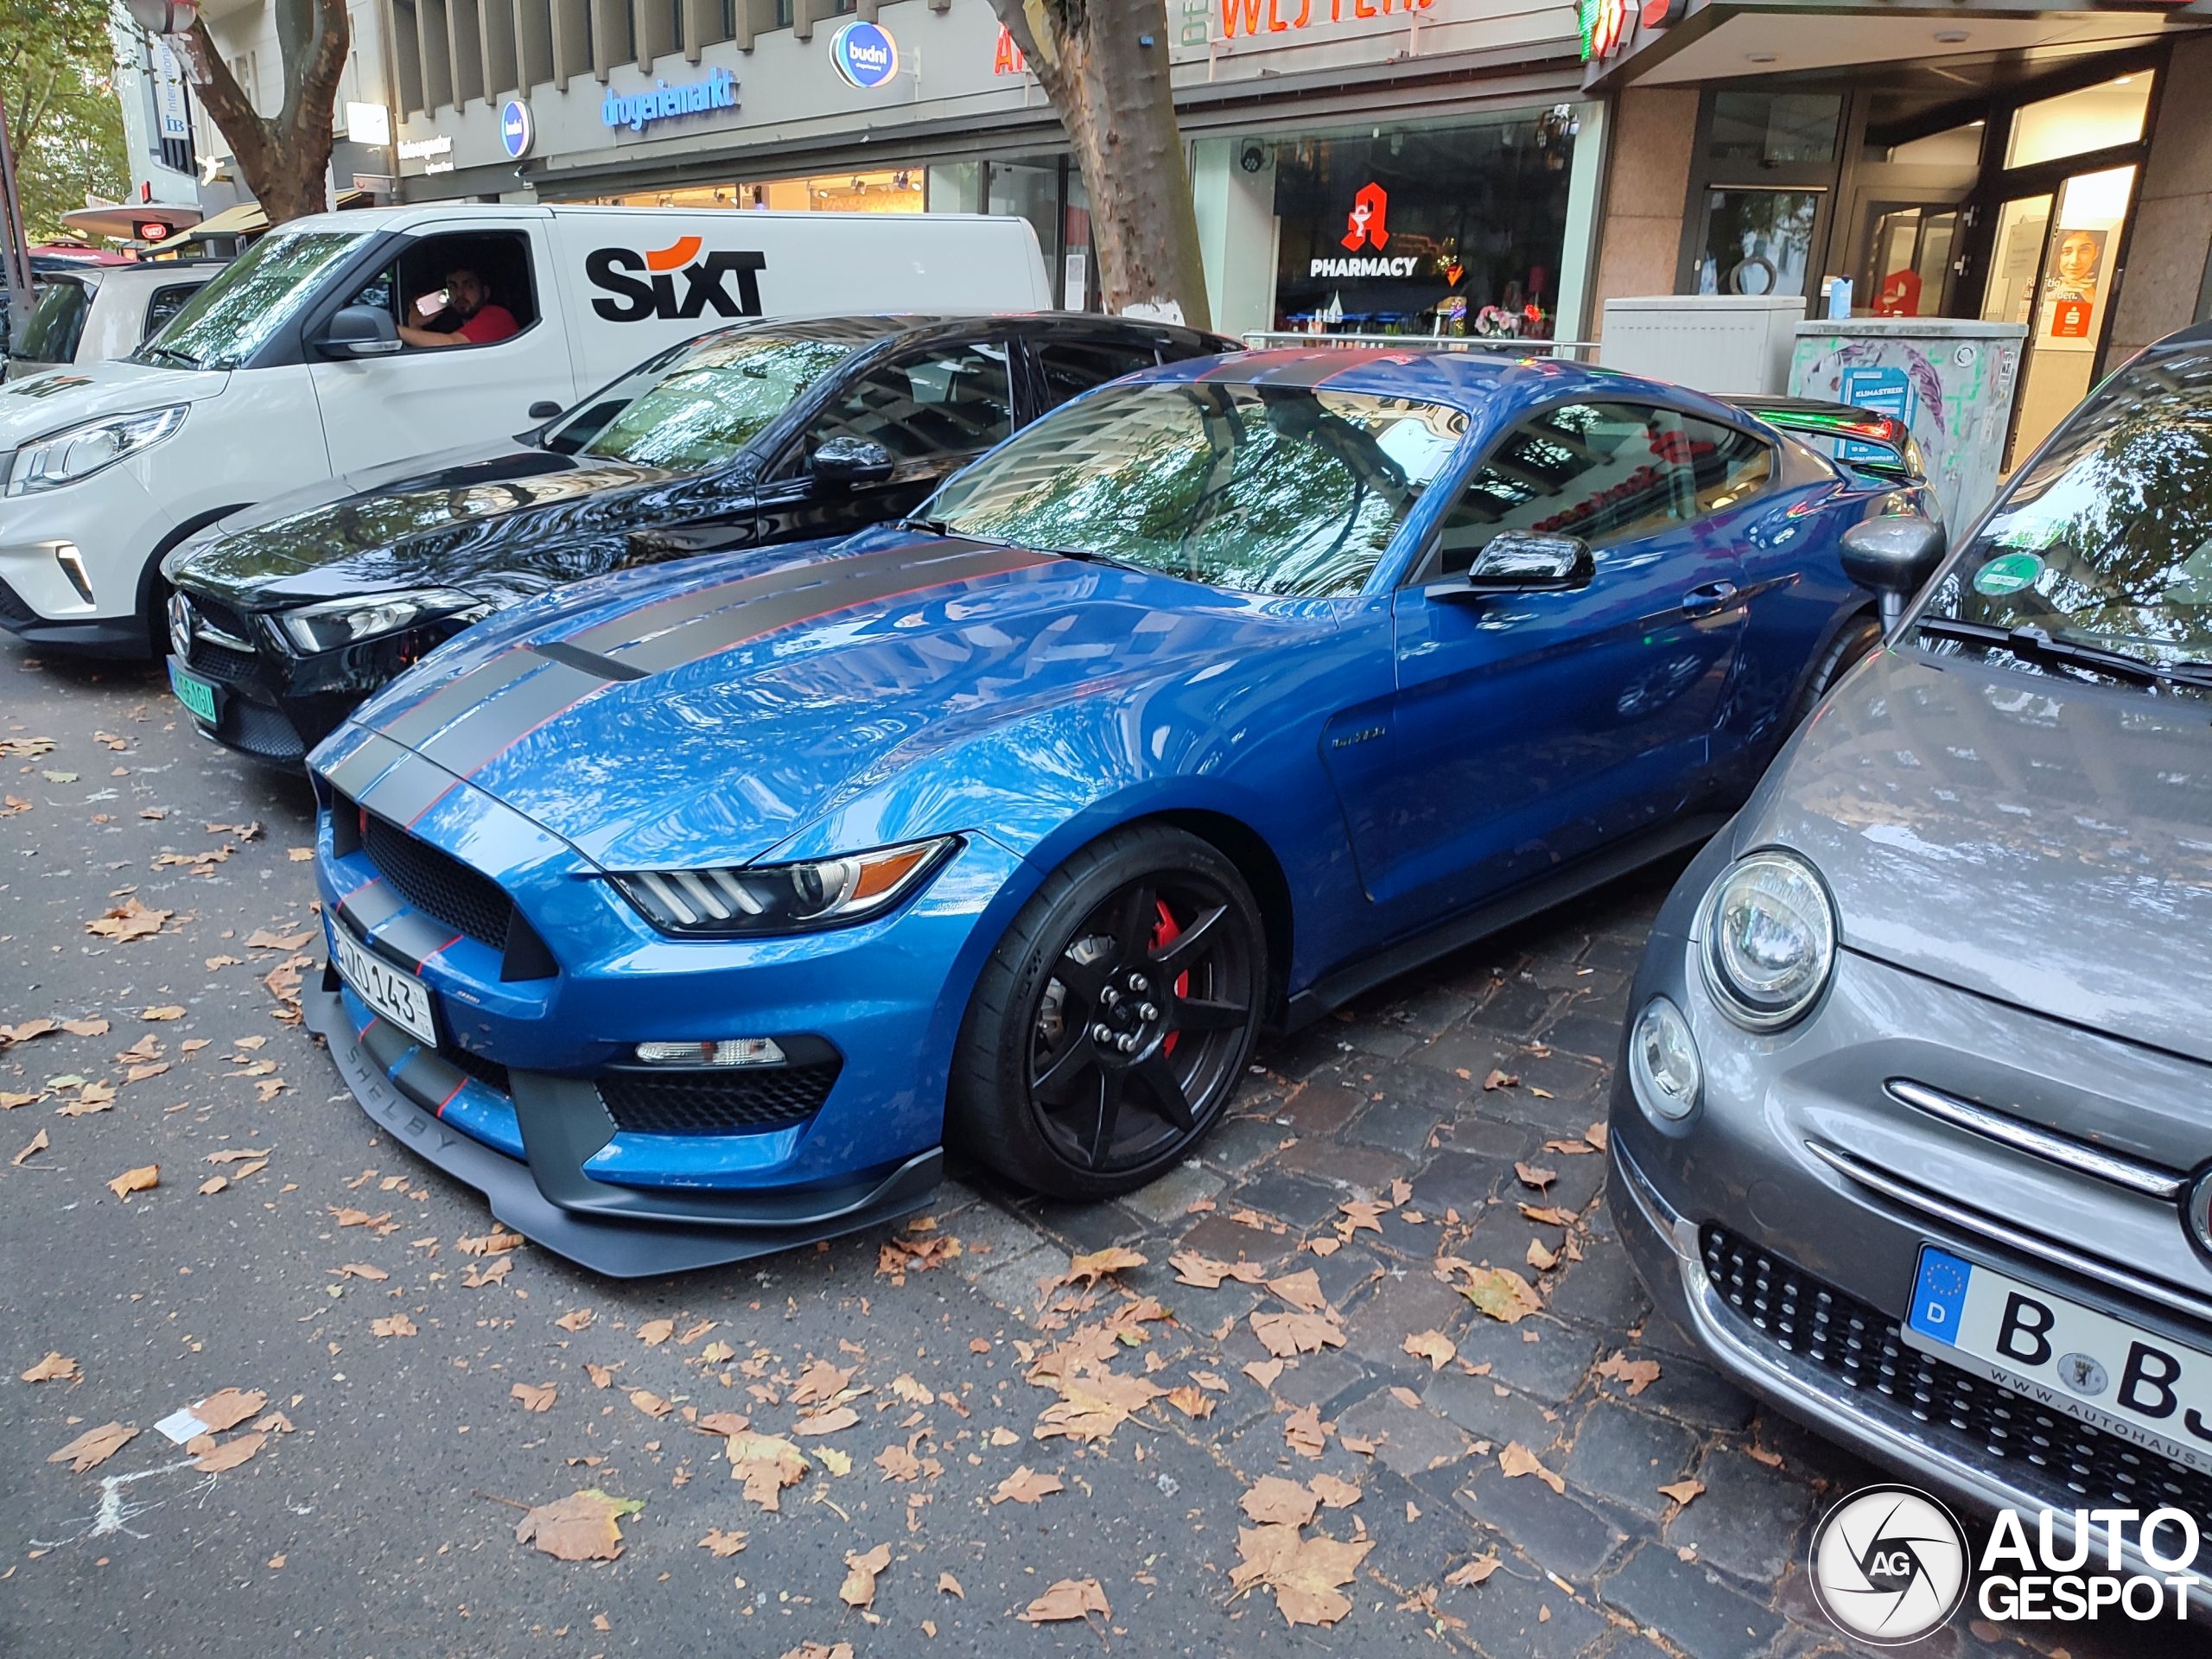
pixel 864 55
pixel 1364 225
pixel 1251 17
pixel 517 130
pixel 638 110
pixel 1007 58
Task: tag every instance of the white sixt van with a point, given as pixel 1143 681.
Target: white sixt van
pixel 291 366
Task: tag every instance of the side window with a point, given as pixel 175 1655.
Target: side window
pixel 1073 366
pixel 1605 472
pixel 955 401
pixel 499 261
pixel 165 304
pixel 1727 467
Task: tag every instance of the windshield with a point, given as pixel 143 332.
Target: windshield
pixel 2106 542
pixel 1263 489
pixel 698 405
pixel 242 308
pixel 56 322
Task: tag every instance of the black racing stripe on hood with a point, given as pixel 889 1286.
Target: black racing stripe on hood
pixel 456 696
pixel 499 722
pixel 358 772
pixel 559 651
pixel 406 791
pixel 633 627
pixel 750 619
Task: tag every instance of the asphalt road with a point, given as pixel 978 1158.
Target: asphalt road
pixel 286 1249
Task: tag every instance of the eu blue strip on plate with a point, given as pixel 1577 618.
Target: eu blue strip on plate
pixel 1939 1294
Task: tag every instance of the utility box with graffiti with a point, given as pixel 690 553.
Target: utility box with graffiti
pixel 1951 381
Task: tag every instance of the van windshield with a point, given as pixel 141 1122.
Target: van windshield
pixel 698 405
pixel 250 300
pixel 56 323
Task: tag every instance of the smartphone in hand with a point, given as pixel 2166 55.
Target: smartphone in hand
pixel 431 304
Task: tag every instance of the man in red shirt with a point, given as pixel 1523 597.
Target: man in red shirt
pixel 482 321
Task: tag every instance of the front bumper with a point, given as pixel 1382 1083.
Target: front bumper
pixel 108 528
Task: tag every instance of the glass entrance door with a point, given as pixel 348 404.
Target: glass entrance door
pixel 2052 269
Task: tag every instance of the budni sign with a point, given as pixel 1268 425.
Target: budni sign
pixel 638 110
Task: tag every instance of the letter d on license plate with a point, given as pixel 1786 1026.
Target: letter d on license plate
pixel 390 992
pixel 2138 1385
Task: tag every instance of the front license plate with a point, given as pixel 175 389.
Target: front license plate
pixel 2140 1386
pixel 193 693
pixel 392 992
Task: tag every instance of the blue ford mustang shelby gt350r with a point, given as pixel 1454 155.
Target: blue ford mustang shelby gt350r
pixel 690 912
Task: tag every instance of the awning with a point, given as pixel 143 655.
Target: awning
pixel 244 219
pixel 121 219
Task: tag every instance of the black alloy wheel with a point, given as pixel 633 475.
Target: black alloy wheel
pixel 1116 1017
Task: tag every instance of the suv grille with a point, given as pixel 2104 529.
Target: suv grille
pixel 437 883
pixel 739 1102
pixel 2066 1464
pixel 221 662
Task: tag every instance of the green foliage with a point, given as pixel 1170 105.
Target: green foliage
pixel 57 67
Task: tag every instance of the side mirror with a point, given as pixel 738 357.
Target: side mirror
pixel 1523 562
pixel 840 463
pixel 360 331
pixel 1893 555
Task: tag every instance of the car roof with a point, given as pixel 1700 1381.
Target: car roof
pixel 866 327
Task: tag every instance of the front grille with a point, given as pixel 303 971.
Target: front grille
pixel 2065 1465
pixel 437 883
pixel 739 1102
pixel 13 607
pixel 221 663
pixel 261 731
pixel 484 1069
pixel 221 617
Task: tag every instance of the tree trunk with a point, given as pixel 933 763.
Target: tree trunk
pixel 282 158
pixel 1104 63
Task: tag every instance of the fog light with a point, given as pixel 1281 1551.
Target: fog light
pixel 731 1050
pixel 1662 1061
pixel 71 561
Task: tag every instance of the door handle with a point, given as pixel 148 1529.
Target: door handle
pixel 1713 596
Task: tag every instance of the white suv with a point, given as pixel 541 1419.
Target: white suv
pixel 103 311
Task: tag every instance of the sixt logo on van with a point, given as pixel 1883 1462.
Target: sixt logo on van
pixel 654 294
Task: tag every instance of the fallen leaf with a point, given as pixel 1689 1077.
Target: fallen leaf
pixel 213 1185
pixel 141 1179
pixel 263 939
pixel 1361 1213
pixel 651 1404
pixel 533 1398
pixel 602 1376
pixel 1285 1335
pixel 1206 1271
pixel 575 1318
pixel 817 1650
pixel 1595 1134
pixel 375 1275
pixel 167 1011
pixel 1501 1080
pixel 299 855
pixel 489 1244
pixel 1303 1573
pixel 1532 1176
pixel 1502 1293
pixel 1274 1501
pixel 127 921
pixel 93 1447
pixel 39 1143
pixel 1069 1599
pixel 950 1586
pixel 1539 1257
pixel 1570 1149
pixel 1334 1493
pixel 1473 1573
pixel 1026 1485
pixel 1550 1214
pixel 229 1454
pixel 54 1368
pixel 1264 1371
pixel 581 1527
pixel 1637 1374
pixel 9 1102
pixel 653 1332
pixel 1302 1290
pixel 398 1324
pixel 481 1273
pixel 1683 1490
pixel 228 1408
pixel 1518 1459
pixel 820 1382
pixel 766 1464
pixel 860 1571
pixel 1190 1401
pixel 1434 1346
pixel 723 1545
pixel 1088 1269
pixel 827 1422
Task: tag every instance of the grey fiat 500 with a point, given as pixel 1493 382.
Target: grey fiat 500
pixel 1913 1129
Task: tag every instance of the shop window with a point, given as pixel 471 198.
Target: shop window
pixel 2074 124
pixel 1756 241
pixel 1074 367
pixel 956 186
pixel 1031 190
pixel 955 401
pixel 1605 472
pixel 1774 129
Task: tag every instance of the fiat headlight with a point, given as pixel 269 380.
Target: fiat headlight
pixel 48 463
pixel 798 897
pixel 1770 940
pixel 1662 1061
pixel 316 628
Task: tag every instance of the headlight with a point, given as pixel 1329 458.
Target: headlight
pixel 338 622
pixel 81 451
pixel 784 897
pixel 1662 1062
pixel 1770 940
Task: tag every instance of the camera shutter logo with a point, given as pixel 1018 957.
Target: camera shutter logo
pixel 1889 1565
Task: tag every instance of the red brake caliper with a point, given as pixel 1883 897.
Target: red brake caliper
pixel 1164 933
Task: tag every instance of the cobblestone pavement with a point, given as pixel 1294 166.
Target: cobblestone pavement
pixel 376 1527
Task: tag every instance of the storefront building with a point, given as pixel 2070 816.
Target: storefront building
pixel 2048 168
pixel 1368 166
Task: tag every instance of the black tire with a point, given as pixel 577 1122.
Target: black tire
pixel 1149 938
pixel 1857 638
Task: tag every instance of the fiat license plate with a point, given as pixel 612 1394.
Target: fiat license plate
pixel 2144 1387
pixel 391 992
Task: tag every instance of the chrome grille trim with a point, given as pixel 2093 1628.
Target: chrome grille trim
pixel 2116 1168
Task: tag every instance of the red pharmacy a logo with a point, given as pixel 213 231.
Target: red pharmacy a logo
pixel 1366 222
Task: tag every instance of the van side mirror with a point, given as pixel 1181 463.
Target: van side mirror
pixel 840 463
pixel 360 331
pixel 1893 555
pixel 1523 562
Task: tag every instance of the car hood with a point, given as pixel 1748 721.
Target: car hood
pixel 433 522
pixel 32 405
pixel 2039 841
pixel 654 721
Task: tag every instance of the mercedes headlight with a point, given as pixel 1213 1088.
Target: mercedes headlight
pixel 48 463
pixel 315 628
pixel 1770 940
pixel 801 897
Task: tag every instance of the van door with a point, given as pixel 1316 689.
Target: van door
pixel 425 398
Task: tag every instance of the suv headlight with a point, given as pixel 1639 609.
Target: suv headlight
pixel 801 897
pixel 1770 940
pixel 315 628
pixel 48 463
